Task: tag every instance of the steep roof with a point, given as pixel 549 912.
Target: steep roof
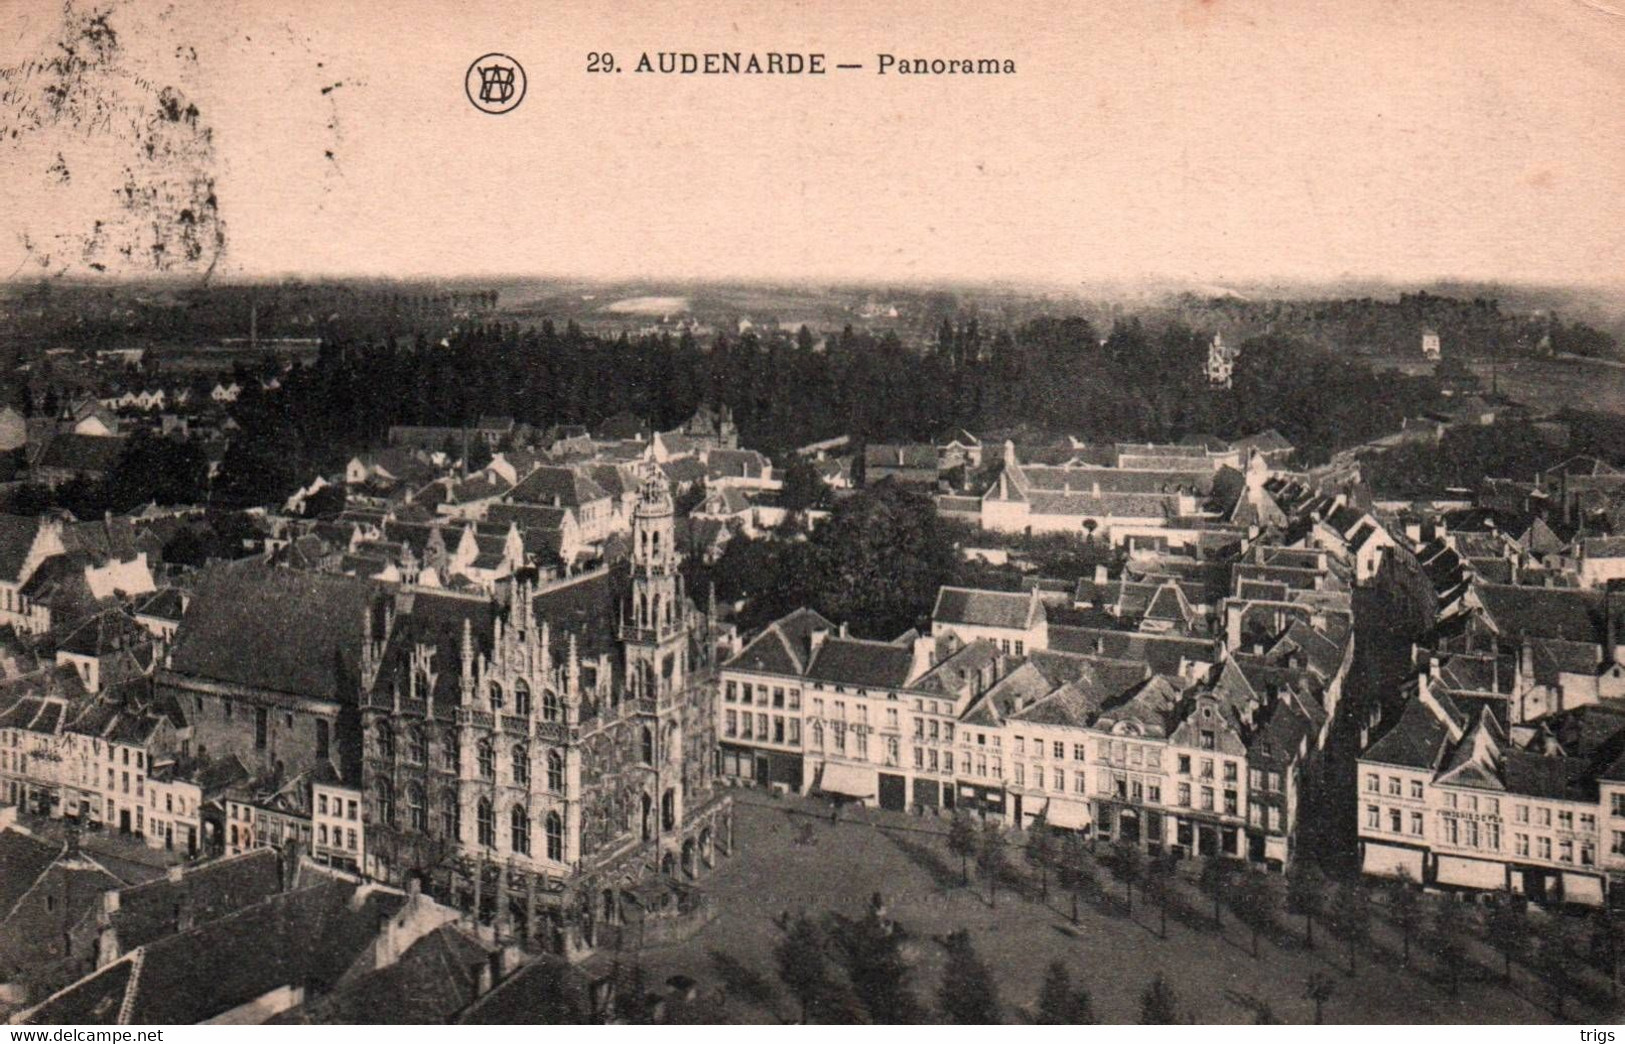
pixel 784 647
pixel 306 938
pixel 1547 612
pixel 91 454
pixel 279 629
pixel 971 607
pixel 560 486
pixel 584 607
pixel 1415 740
pixel 432 981
pixel 23 858
pixel 856 661
pixel 435 621
pixel 147 912
pixel 17 533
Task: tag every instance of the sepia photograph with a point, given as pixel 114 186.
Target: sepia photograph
pixel 763 513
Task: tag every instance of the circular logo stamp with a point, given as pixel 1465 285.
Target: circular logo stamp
pixel 495 84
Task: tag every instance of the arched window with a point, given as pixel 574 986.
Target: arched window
pixel 384 795
pixel 555 838
pixel 417 809
pixel 550 705
pixel 555 772
pixel 521 698
pixel 451 817
pixel 486 824
pixel 450 757
pixel 386 740
pixel 521 765
pixel 488 760
pixel 668 810
pixel 519 829
pixel 496 696
pixel 648 746
pixel 417 745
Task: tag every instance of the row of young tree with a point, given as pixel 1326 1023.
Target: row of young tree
pixel 1564 955
pixel 845 969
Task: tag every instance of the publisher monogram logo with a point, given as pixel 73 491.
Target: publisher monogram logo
pixel 495 84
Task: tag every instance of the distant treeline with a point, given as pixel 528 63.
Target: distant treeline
pixel 1474 328
pixel 1054 375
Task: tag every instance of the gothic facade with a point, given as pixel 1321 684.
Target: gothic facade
pixel 542 757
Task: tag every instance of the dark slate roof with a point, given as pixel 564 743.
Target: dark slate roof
pixel 1162 653
pixel 17 534
pixel 106 632
pixel 565 487
pixel 546 992
pixel 1544 612
pixel 855 661
pixel 435 620
pixel 683 469
pixel 310 937
pixel 784 646
pixel 437 977
pixel 23 858
pixel 1413 741
pixel 279 629
pixel 585 608
pixel 527 516
pixel 91 454
pixel 962 605
pixel 215 889
pixel 1266 441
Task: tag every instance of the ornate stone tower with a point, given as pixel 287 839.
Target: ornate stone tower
pixel 655 632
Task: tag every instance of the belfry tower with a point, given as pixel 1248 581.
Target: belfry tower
pixel 655 632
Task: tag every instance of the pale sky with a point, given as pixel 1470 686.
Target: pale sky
pixel 1209 141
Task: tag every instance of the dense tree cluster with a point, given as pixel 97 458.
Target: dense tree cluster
pixel 1467 454
pixel 875 564
pixel 1057 375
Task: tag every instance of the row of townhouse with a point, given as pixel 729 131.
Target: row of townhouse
pixel 1452 796
pixel 1162 740
pixel 122 761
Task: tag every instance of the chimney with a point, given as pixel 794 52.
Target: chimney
pixel 107 946
pixel 843 628
pixel 175 873
pixel 1609 653
pixel 1102 574
pixel 185 914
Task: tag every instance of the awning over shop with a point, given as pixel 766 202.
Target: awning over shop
pixel 848 781
pixel 1067 815
pixel 1471 873
pixel 1582 888
pixel 1388 861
